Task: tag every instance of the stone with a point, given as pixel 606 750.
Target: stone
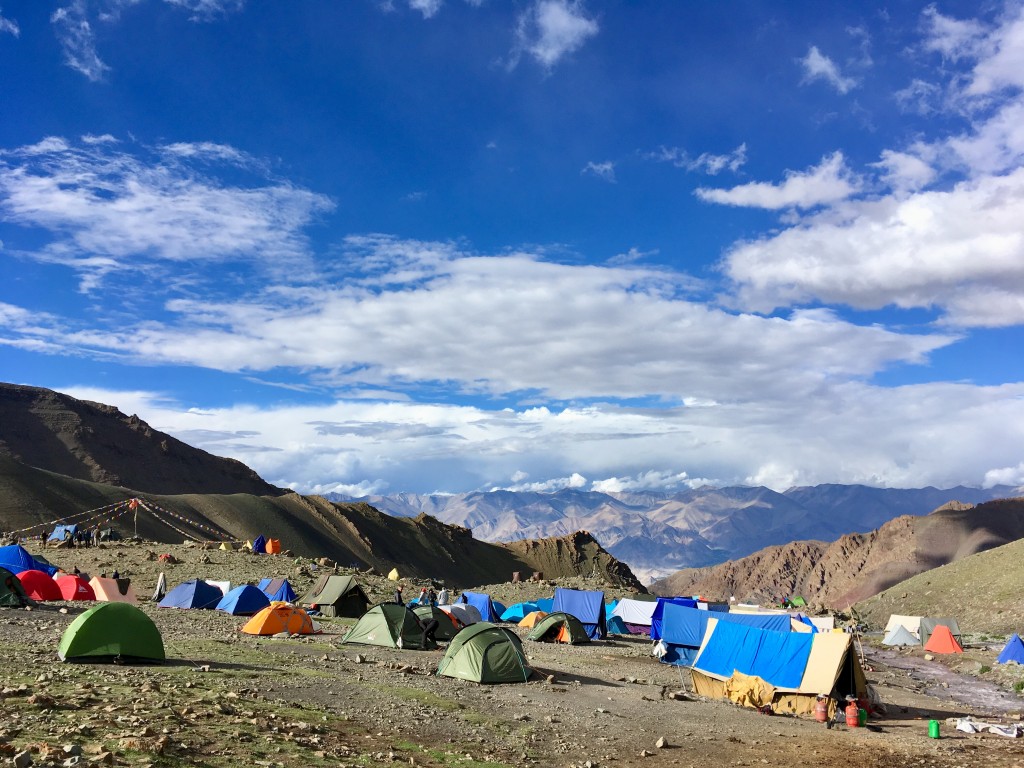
pixel 661 743
pixel 23 759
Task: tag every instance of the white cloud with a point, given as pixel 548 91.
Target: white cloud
pixel 954 39
pixel 905 172
pixel 605 170
pixel 551 29
pixel 108 210
pixel 9 26
pixel 706 162
pixel 817 66
pixel 1005 476
pixel 428 8
pixel 949 249
pixel 77 40
pixel 828 182
pixel 1003 64
pixel 575 480
pixel 920 96
pixel 652 480
pixel 847 432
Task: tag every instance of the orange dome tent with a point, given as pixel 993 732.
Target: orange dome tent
pixel 942 641
pixel 280 617
pixel 273 547
pixel 531 619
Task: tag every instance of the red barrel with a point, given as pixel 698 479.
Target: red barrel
pixel 821 710
pixel 852 715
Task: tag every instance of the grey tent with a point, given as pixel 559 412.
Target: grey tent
pixel 900 636
pixel 928 625
pixel 336 595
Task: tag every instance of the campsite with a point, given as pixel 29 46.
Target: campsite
pixel 222 697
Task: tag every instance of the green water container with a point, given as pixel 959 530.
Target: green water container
pixel 862 717
pixel 933 729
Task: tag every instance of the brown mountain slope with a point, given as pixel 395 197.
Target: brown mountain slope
pixel 96 442
pixel 984 592
pixel 308 525
pixel 857 566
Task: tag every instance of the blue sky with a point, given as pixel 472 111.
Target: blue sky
pixel 443 245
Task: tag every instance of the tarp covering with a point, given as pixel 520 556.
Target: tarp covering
pixel 1013 651
pixel 929 625
pixel 243 601
pixel 683 625
pixel 545 604
pixel 777 657
pixel 15 558
pixel 192 594
pixel 112 630
pixel 635 611
pixel 585 605
pixel 900 636
pixel 659 610
pixel 485 653
pixel 483 603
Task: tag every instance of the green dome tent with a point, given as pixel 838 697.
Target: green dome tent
pixel 447 625
pixel 559 627
pixel 390 625
pixel 12 594
pixel 112 630
pixel 485 653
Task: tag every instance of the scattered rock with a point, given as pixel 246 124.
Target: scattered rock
pixel 661 743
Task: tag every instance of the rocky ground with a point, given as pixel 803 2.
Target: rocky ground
pixel 226 699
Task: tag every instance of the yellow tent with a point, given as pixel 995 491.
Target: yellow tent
pixel 531 619
pixel 394 574
pixel 225 547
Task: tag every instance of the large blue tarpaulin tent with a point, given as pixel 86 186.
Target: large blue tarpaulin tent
pixel 482 603
pixel 683 629
pixel 62 533
pixel 15 558
pixel 779 658
pixel 585 605
pixel 656 617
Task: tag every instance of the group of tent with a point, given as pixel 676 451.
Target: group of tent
pixel 937 635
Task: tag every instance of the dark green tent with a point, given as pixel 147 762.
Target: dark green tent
pixel 12 594
pixel 559 627
pixel 447 625
pixel 485 653
pixel 112 630
pixel 336 595
pixel 390 625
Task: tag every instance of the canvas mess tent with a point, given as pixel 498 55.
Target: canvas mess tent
pixel 787 670
pixel 586 605
pixel 929 625
pixel 1013 651
pixel 113 590
pixel 389 625
pixel 463 613
pixel 244 600
pixel 911 623
pixel 635 614
pixel 559 627
pixel 12 594
pixel 74 587
pixel 684 628
pixel 278 590
pixel 483 603
pixel 40 586
pixel 900 637
pixel 485 653
pixel 280 618
pixel 15 558
pixel 336 595
pixel 447 625
pixel 942 640
pixel 112 631
pixel 192 594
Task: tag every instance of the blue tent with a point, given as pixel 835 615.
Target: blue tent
pixel 243 601
pixel 482 603
pixel 15 558
pixel 192 594
pixel 518 611
pixel 259 545
pixel 1014 651
pixel 587 606
pixel 609 607
pixel 804 620
pixel 616 626
pixel 779 658
pixel 683 629
pixel 544 604
pixel 656 617
pixel 277 589
pixel 63 532
pixel 499 608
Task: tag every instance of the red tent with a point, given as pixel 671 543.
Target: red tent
pixel 75 587
pixel 39 586
pixel 942 641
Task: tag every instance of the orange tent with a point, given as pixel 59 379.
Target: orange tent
pixel 942 641
pixel 531 619
pixel 280 617
pixel 273 547
pixel 75 588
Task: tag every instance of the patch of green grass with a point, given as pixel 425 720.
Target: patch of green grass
pixel 1018 686
pixel 984 668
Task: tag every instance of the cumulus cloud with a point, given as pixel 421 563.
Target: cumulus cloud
pixel 818 66
pixel 652 480
pixel 109 210
pixel 904 172
pixel 604 171
pixel 954 39
pixel 705 162
pixel 548 30
pixel 575 480
pixel 827 182
pixel 9 26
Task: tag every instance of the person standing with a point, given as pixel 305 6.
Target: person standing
pixel 432 597
pixel 398 595
pixel 442 598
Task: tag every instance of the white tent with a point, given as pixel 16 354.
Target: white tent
pixel 635 611
pixel 900 636
pixel 467 614
pixel 912 624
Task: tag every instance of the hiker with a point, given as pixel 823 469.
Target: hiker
pixel 115 575
pixel 76 571
pixel 442 599
pixel 422 599
pixel 432 597
pixel 398 595
pixel 429 630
